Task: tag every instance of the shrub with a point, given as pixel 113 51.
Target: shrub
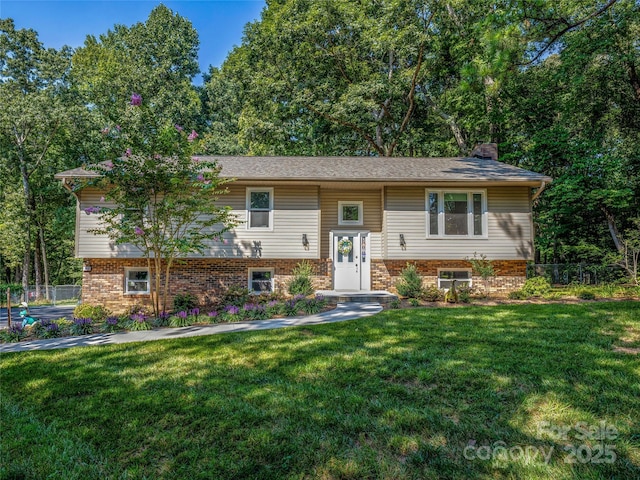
pixel 586 295
pixel 14 333
pixel 50 330
pixel 138 322
pixel 314 305
pixel 111 324
pixel 536 287
pixel 274 307
pixel 184 302
pixel 194 314
pixel 301 283
pixel 236 296
pixel 231 313
pixel 266 298
pixel 394 304
pixel 82 326
pixel 162 320
pixel 97 313
pixel 517 295
pixel 464 293
pixel 290 307
pixel 432 294
pixel 137 309
pixel 483 267
pixel 410 283
pixel 181 319
pixel 414 302
pixel 46 329
pixel 253 311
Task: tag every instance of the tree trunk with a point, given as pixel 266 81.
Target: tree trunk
pixel 489 101
pixel 26 267
pixel 613 230
pixel 634 79
pixel 45 262
pixel 26 189
pixel 37 267
pixel 165 291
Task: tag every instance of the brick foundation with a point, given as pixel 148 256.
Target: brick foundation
pixel 208 278
pixel 510 274
pixel 205 278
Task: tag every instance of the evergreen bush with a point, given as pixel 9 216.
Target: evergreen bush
pixel 410 283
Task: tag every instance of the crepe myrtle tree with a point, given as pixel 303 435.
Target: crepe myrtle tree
pixel 158 197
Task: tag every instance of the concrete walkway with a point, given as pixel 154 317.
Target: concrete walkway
pixel 344 311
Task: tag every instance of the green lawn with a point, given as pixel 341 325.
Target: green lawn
pixel 423 393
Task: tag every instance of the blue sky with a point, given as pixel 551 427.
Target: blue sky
pixel 67 22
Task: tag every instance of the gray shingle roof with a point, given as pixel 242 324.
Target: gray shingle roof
pixel 363 169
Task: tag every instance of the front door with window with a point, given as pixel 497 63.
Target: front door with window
pixel 349 253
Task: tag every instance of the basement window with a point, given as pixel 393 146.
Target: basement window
pixel 461 276
pixel 260 280
pixel 136 281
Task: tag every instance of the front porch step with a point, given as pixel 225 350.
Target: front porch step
pixel 340 296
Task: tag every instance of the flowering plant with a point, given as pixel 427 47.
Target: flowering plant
pixel 158 198
pixel 82 326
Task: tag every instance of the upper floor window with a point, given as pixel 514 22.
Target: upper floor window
pixel 456 213
pixel 349 213
pixel 260 208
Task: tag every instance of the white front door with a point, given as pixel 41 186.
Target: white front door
pixel 346 261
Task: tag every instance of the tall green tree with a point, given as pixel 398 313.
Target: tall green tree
pixel 34 116
pixel 156 59
pixel 572 111
pixel 354 77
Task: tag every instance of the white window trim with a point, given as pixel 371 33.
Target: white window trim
pixel 469 193
pixel 250 282
pixel 360 220
pixel 126 280
pixel 470 280
pixel 248 210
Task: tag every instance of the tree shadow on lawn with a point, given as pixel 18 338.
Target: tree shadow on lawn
pixel 430 393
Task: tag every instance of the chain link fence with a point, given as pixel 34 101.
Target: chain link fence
pixel 54 293
pixel 566 273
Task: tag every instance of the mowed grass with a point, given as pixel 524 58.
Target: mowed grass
pixel 404 394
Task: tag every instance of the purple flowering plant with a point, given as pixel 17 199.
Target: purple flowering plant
pixel 181 319
pixel 136 100
pixel 14 333
pixel 82 326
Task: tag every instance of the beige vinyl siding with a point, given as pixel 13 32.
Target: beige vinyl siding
pixel 372 216
pixel 90 245
pixel 509 227
pixel 295 212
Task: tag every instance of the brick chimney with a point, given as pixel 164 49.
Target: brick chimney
pixel 487 151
